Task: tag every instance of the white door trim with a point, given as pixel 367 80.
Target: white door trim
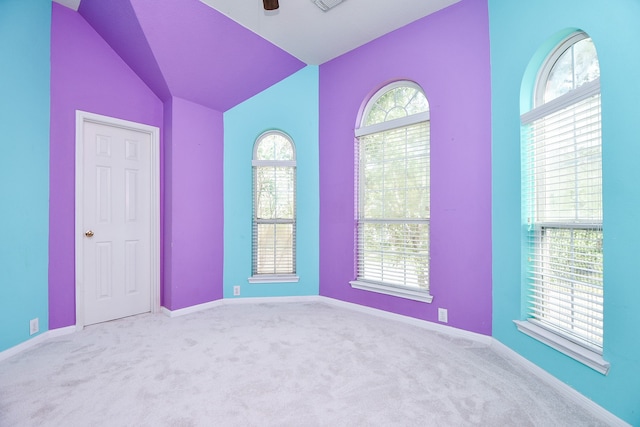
pixel 83 117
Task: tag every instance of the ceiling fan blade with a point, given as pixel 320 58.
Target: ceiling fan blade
pixel 270 4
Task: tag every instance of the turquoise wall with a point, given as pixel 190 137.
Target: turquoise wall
pixel 290 106
pixel 25 28
pixel 522 32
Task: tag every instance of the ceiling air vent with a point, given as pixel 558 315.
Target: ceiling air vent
pixel 325 5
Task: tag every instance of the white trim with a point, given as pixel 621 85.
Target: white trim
pixel 436 327
pixel 396 291
pixel 45 336
pixel 424 324
pixel 274 132
pixel 550 61
pixel 81 118
pixel 60 332
pixel 191 309
pixel 393 124
pixel 581 354
pixel 572 97
pixel 274 278
pixel 564 389
pixel 278 300
pixel 274 163
pixel 387 88
pixel 233 301
pixel 275 221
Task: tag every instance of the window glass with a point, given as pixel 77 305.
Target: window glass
pixel 393 190
pixel 397 102
pixel 274 146
pixel 577 65
pixel 562 197
pixel 274 205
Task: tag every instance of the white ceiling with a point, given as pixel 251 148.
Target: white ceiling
pixel 73 4
pixel 313 36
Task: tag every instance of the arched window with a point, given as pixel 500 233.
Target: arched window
pixel 274 208
pixel 392 191
pixel 562 196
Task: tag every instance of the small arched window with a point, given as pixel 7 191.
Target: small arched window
pixel 572 64
pixel 392 191
pixel 274 208
pixel 562 195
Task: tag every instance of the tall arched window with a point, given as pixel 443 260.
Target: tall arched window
pixel 274 209
pixel 392 187
pixel 562 197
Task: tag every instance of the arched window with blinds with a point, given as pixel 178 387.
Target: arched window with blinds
pixel 562 200
pixel 274 209
pixel 392 193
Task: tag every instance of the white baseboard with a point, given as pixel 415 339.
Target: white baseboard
pixel 436 327
pixel 38 339
pixel 565 390
pixel 191 309
pixel 262 300
pixel 235 301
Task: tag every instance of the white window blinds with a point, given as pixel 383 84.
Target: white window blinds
pixel 274 206
pixel 562 195
pixel 392 184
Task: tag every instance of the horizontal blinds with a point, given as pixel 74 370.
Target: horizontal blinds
pixel 562 191
pixel 274 248
pixel 274 220
pixel 393 207
pixel 394 253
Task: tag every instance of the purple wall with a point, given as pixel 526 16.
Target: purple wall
pixel 117 23
pixel 206 57
pixel 85 75
pixel 186 49
pixel 193 230
pixel 447 53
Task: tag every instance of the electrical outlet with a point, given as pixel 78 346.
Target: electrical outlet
pixel 443 316
pixel 34 327
pixel 236 291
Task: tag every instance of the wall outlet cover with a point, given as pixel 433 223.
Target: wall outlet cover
pixel 34 326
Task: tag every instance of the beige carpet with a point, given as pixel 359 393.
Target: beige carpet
pixel 272 364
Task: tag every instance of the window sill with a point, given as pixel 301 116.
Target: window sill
pixel 274 278
pixel 396 291
pixel 564 346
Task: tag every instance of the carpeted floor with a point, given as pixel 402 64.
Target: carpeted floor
pixel 272 364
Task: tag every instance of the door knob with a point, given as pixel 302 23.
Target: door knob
pixel 88 233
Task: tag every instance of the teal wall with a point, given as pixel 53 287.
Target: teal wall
pixel 290 106
pixel 522 32
pixel 25 27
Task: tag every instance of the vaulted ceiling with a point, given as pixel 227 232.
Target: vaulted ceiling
pixel 314 36
pixel 218 53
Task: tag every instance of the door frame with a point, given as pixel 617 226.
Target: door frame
pixel 83 117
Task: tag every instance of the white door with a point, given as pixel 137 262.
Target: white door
pixel 116 223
